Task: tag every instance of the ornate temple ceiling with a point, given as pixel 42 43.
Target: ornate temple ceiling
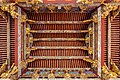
pixel 29 12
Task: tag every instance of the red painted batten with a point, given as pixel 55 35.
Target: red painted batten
pixel 102 42
pixel 16 42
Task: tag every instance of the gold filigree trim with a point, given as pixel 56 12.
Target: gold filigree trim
pixel 10 8
pixel 24 19
pixel 90 1
pixel 11 73
pixel 115 68
pixel 93 62
pixel 107 73
pixel 3 14
pixel 25 62
pixel 3 67
pixel 35 75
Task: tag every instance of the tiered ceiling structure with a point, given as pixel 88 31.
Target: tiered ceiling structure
pixel 60 39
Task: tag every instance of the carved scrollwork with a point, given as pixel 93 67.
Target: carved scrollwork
pixel 31 40
pixel 90 30
pixel 10 8
pixel 36 8
pixel 107 73
pixel 67 8
pixel 90 50
pixel 84 1
pixel 28 30
pixel 28 50
pixel 93 62
pixel 3 14
pixel 107 9
pixel 67 75
pixel 90 1
pixel 25 62
pixel 115 13
pixel 51 8
pixel 95 18
pixel 3 67
pixel 24 19
pixel 83 8
pixel 11 73
pixel 115 68
pixel 87 40
pixel 83 75
pixel 51 75
pixel 35 75
pixel 34 2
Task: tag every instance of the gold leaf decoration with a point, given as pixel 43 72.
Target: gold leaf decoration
pixel 25 62
pixel 90 30
pixel 83 8
pixel 27 30
pixel 24 19
pixel 90 50
pixel 11 73
pixel 34 2
pixel 95 18
pixel 115 68
pixel 31 40
pixel 108 73
pixel 90 1
pixel 94 62
pixel 35 75
pixel 67 75
pixel 10 8
pixel 84 1
pixel 115 13
pixel 67 8
pixel 3 14
pixel 107 9
pixel 51 8
pixel 83 75
pixel 3 67
pixel 35 8
pixel 87 40
pixel 51 75
pixel 28 50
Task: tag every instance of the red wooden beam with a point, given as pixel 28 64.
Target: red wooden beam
pixel 16 42
pixel 102 41
pixel 11 1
